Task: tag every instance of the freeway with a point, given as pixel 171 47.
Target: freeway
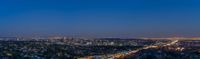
pixel 122 55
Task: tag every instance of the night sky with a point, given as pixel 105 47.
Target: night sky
pixel 100 18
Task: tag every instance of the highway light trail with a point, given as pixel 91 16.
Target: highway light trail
pixel 122 55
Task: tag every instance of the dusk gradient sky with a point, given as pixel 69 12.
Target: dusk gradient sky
pixel 100 18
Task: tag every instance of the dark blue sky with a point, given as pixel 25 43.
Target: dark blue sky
pixel 100 18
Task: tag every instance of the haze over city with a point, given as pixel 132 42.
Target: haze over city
pixel 100 18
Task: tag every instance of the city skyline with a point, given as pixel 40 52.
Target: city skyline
pixel 100 18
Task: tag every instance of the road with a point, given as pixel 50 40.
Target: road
pixel 122 55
